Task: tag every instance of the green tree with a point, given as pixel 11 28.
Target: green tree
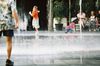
pixel 58 10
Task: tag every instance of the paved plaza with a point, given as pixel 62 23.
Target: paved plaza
pixel 53 49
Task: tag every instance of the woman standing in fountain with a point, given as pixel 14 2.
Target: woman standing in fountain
pixel 7 25
pixel 35 21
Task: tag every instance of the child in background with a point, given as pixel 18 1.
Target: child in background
pixel 70 27
pixel 35 21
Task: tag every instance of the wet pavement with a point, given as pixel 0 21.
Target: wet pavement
pixel 53 49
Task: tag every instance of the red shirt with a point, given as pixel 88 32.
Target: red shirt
pixel 35 14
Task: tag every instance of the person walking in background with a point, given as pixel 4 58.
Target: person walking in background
pixel 35 20
pixel 7 25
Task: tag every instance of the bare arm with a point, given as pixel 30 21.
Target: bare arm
pixel 30 13
pixel 14 14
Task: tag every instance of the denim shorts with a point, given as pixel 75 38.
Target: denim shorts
pixel 7 33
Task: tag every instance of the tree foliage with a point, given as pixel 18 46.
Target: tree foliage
pixel 58 9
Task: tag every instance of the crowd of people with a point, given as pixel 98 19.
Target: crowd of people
pixel 88 22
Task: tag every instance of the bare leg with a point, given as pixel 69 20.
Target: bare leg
pixel 36 29
pixel 36 33
pixel 9 46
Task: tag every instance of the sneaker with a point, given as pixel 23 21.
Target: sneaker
pixel 9 62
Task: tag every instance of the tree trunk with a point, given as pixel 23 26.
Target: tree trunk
pixel 50 16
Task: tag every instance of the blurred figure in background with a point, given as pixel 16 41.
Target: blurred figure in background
pixel 35 20
pixel 98 20
pixel 70 28
pixel 81 17
pixel 92 21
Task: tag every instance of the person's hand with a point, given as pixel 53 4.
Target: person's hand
pixel 16 26
pixel 38 11
pixel 30 12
